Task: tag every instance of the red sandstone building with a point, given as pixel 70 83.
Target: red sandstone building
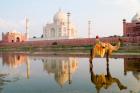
pixel 14 37
pixel 132 29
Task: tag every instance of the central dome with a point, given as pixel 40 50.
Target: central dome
pixel 136 18
pixel 60 16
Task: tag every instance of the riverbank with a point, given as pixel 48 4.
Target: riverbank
pixel 67 49
pixel 71 54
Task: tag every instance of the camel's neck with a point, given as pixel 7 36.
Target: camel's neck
pixel 117 46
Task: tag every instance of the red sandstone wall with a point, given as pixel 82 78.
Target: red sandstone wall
pixel 13 36
pixel 73 42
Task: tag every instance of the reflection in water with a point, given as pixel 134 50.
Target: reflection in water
pixel 15 60
pixel 104 81
pixel 62 67
pixel 11 61
pixel 133 65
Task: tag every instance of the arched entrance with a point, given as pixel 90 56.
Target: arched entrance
pixel 12 41
pixel 18 57
pixel 17 39
pixel 52 34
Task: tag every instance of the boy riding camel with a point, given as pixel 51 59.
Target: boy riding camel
pixel 102 48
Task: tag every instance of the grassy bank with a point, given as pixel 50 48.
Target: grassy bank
pixel 48 48
pixel 86 49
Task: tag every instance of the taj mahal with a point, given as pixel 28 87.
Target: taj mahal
pixel 63 31
pixel 60 28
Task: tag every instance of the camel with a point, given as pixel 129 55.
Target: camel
pixel 104 80
pixel 102 48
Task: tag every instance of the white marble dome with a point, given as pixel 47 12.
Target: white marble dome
pixel 58 29
pixel 136 18
pixel 60 16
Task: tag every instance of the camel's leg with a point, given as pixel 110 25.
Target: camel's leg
pixel 92 55
pixel 120 85
pixel 90 66
pixel 107 55
pixel 107 68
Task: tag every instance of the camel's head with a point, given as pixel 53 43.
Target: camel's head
pixel 103 45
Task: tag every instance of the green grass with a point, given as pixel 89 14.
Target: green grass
pixel 85 48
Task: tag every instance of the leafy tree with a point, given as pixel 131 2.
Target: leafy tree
pixel 42 36
pixel 34 36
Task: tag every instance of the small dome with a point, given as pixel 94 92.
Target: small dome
pixel 136 18
pixel 14 31
pixel 60 16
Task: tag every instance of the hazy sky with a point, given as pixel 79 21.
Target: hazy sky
pixel 106 15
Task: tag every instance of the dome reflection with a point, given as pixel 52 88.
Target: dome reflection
pixel 61 67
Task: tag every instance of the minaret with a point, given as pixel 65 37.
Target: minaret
pixel 28 69
pixel 68 23
pixel 89 23
pixel 69 72
pixel 26 26
pixel 124 27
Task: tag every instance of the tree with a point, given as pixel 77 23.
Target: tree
pixel 34 36
pixel 42 36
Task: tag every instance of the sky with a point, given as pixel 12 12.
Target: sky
pixel 105 15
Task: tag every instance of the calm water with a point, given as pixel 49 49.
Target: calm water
pixel 21 73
